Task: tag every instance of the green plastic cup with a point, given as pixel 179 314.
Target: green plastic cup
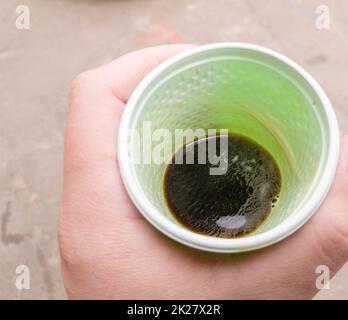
pixel 251 91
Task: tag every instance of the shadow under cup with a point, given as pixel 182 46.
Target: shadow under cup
pixel 251 92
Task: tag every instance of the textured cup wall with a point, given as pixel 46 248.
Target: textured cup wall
pixel 245 94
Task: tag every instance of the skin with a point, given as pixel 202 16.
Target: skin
pixel 108 251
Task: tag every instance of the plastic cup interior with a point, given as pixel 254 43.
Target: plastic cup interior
pixel 250 91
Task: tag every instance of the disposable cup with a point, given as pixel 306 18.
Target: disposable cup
pixel 251 91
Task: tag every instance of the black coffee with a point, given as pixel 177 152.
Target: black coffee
pixel 228 205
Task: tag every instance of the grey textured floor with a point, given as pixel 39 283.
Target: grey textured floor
pixel 67 37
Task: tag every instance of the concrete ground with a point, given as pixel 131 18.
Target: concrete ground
pixel 69 36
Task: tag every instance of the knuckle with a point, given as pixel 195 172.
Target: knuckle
pixel 340 236
pixel 332 243
pixel 80 81
pixel 69 248
pixel 65 249
pixel 83 77
pixel 77 246
pixel 83 81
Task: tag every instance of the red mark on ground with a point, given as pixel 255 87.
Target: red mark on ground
pixel 164 32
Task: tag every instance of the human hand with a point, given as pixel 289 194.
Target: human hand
pixel 108 250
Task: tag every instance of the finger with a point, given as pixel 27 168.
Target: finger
pixel 135 65
pixel 96 102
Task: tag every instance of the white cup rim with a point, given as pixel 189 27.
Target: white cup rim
pixel 214 244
